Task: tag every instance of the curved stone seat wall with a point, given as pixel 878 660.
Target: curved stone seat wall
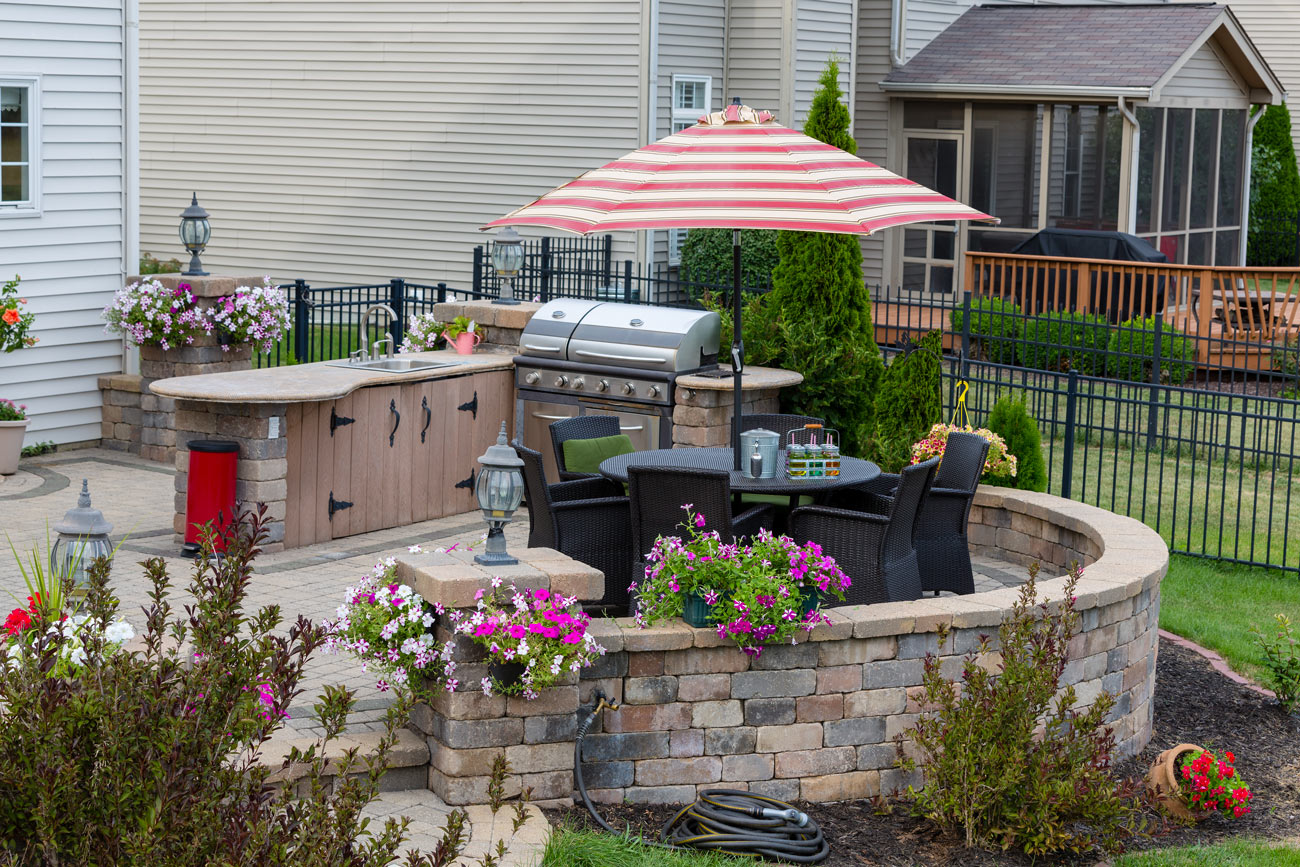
pixel 816 720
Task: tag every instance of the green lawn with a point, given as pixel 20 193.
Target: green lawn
pixel 1231 853
pixel 572 848
pixel 328 342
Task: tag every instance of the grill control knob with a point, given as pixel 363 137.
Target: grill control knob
pixel 654 391
pixel 629 388
pixel 578 383
pixel 533 378
pixel 603 385
pixel 561 381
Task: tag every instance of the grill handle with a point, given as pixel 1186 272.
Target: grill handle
pixel 542 348
pixel 611 357
pixel 543 415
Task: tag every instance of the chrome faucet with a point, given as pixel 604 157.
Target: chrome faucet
pixel 362 354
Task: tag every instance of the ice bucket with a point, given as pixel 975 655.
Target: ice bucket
pixel 767 443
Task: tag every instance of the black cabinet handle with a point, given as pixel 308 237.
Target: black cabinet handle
pixel 428 415
pixel 397 421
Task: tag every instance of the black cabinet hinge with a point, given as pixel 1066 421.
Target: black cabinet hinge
pixel 467 483
pixel 470 406
pixel 337 505
pixel 338 421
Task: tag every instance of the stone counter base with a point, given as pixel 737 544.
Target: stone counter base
pixel 816 720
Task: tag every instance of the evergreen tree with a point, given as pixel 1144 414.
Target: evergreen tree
pixel 1274 190
pixel 819 296
pixel 908 403
pixel 1011 420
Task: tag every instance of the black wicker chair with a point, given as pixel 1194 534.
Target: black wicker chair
pixel 942 549
pixel 658 494
pixel 875 551
pixel 779 423
pixel 588 519
pixel 583 427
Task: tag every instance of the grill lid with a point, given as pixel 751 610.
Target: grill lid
pixel 624 335
pixel 547 333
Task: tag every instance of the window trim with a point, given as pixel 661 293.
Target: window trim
pixel 32 206
pixel 687 117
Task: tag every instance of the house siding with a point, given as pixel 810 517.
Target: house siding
pixel 1204 80
pixel 70 255
pixel 353 141
pixel 1274 28
pixel 871 111
pixel 755 55
pixel 822 28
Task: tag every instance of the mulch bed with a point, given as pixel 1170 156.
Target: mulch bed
pixel 1193 704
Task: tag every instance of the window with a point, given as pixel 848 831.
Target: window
pixel 692 97
pixel 19 145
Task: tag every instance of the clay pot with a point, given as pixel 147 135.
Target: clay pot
pixel 11 444
pixel 1164 778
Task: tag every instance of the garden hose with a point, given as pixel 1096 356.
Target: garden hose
pixel 722 820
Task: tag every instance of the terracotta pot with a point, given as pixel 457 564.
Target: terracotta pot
pixel 11 445
pixel 1164 779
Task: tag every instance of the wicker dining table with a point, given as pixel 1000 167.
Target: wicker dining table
pixel 853 471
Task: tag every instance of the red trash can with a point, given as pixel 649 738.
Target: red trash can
pixel 210 494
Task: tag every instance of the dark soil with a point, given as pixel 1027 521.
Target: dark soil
pixel 1193 704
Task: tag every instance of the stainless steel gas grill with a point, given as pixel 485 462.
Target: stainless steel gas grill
pixel 600 358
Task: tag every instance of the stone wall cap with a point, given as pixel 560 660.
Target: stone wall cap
pixel 752 379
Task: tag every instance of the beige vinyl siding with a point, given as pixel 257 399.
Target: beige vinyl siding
pixel 353 141
pixel 755 54
pixel 871 111
pixel 70 253
pixel 1204 81
pixel 822 28
pixel 692 36
pixel 1274 28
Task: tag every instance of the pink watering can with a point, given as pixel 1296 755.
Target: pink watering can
pixel 464 342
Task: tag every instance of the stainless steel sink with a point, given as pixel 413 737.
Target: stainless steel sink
pixel 394 365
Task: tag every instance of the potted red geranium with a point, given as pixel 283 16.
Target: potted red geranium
pixel 1192 783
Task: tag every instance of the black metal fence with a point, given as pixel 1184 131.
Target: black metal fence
pixel 1274 238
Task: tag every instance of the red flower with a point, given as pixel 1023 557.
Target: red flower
pixel 17 621
pixel 11 316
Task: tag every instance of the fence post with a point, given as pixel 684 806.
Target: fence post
pixel 442 293
pixel 477 283
pixel 965 325
pixel 397 301
pixel 1155 382
pixel 627 281
pixel 546 268
pixel 301 338
pixel 609 259
pixel 1067 462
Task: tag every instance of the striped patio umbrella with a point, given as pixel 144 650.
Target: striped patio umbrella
pixel 738 169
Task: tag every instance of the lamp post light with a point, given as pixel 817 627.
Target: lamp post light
pixel 195 232
pixel 83 537
pixel 507 259
pixel 499 490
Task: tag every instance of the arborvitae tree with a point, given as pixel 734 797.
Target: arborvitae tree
pixel 1274 190
pixel 1011 420
pixel 818 289
pixel 908 403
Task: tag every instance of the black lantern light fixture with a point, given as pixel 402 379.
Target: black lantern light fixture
pixel 195 232
pixel 83 537
pixel 507 259
pixel 499 490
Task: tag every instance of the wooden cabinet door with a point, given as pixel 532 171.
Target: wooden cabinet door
pixel 425 449
pixel 335 486
pixel 496 404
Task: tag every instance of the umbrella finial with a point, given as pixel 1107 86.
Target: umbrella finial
pixel 735 100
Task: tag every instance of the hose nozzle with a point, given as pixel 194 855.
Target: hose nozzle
pixel 791 815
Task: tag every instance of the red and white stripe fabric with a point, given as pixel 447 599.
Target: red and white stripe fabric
pixel 738 169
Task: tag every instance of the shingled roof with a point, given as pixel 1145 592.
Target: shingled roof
pixel 1084 47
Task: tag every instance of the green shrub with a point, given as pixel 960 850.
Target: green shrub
pixel 1066 341
pixel 150 265
pixel 996 326
pixel 1006 761
pixel 1285 357
pixel 1010 419
pixel 1282 659
pixel 908 403
pixel 1132 347
pixel 1274 190
pixel 839 378
pixel 706 256
pixel 762 330
pixel 149 756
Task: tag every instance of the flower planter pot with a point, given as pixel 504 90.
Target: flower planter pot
pixel 812 600
pixel 1164 781
pixel 506 676
pixel 11 445
pixel 695 611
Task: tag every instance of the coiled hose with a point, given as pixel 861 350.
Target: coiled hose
pixel 724 820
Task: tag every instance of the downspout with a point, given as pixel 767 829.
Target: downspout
pixel 898 32
pixel 130 157
pixel 1245 183
pixel 1130 224
pixel 652 116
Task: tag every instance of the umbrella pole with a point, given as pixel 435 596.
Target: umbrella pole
pixel 737 349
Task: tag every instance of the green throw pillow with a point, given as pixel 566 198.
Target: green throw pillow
pixel 584 456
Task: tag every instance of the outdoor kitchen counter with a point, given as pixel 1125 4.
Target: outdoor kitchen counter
pixel 751 379
pixel 320 381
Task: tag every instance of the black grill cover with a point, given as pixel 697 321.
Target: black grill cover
pixel 1116 302
pixel 1089 244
